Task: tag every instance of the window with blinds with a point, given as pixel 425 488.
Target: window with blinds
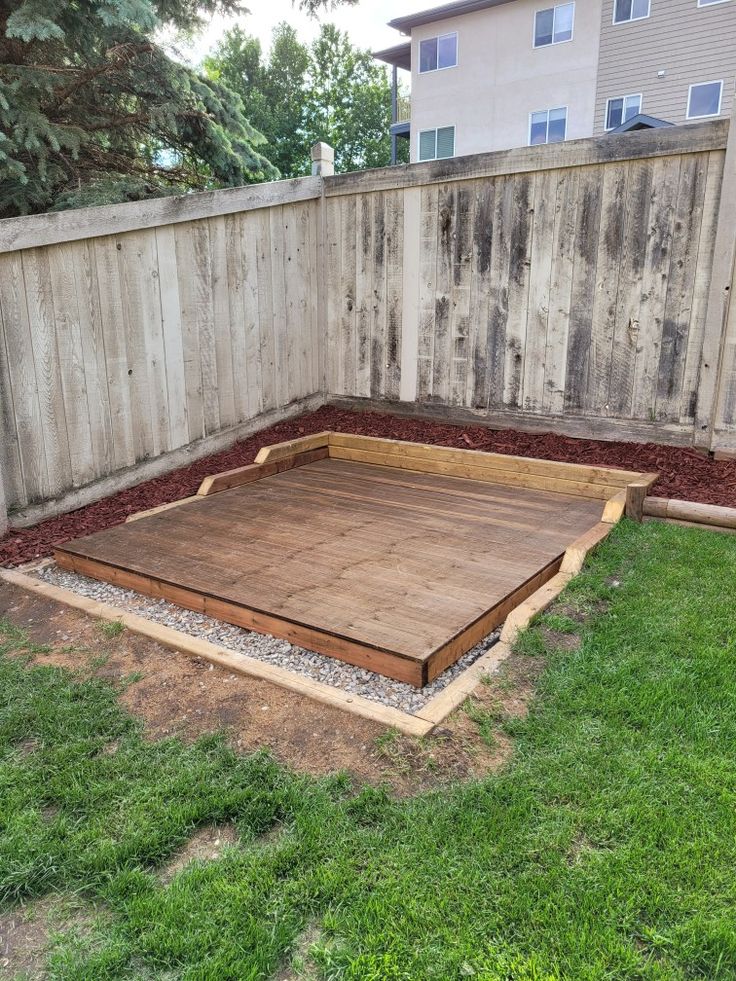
pixel 437 144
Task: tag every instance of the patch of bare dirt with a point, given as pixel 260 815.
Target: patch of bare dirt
pixel 176 695
pixel 26 934
pixel 557 640
pixel 205 845
pixel 301 967
pixel 464 747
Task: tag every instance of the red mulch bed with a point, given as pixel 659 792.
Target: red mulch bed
pixel 685 474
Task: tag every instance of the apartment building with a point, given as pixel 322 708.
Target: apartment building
pixel 496 74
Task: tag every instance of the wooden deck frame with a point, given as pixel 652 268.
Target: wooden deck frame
pixel 421 724
pixel 611 486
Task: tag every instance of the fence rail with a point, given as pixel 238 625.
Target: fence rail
pixel 583 287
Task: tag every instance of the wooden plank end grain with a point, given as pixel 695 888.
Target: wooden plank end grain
pixel 636 494
pixel 293 447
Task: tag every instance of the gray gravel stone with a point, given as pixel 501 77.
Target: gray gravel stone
pixel 270 650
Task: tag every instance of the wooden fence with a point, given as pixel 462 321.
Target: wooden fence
pixel 582 287
pixel 568 286
pixel 121 348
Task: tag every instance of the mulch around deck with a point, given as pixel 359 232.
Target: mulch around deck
pixel 685 473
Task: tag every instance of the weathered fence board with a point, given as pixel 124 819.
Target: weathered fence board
pixel 127 347
pixel 578 290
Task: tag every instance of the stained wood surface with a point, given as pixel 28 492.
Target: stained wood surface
pixel 399 572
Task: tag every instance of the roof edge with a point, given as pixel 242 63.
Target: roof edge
pixel 455 9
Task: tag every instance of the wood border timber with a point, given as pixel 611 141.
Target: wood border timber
pixel 116 219
pixel 610 148
pixel 706 515
pixel 604 483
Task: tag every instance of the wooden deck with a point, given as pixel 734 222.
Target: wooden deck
pixel 398 571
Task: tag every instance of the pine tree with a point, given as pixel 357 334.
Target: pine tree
pixel 93 110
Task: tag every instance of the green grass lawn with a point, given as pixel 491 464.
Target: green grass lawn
pixel 605 849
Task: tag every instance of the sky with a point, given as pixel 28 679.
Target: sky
pixel 366 23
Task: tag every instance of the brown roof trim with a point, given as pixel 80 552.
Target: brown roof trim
pixel 399 55
pixel 455 9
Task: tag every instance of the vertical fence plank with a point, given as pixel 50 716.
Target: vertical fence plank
pixel 583 290
pixel 250 278
pixel 655 286
pixel 348 251
pixel 499 291
pixel 703 261
pixel 93 355
pixel 225 384
pixel 605 301
pixel 105 255
pixel 484 245
pixel 173 341
pixel 718 360
pixel 31 482
pixel 369 269
pixel 409 277
pixel 11 470
pixel 563 265
pixel 427 288
pixel 460 314
pixel 393 204
pixel 37 278
pixel 679 305
pixel 540 277
pixel 628 306
pixel 72 364
pixel 520 246
pixel 334 369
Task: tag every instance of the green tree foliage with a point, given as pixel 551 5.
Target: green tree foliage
pixel 273 91
pixel 93 110
pixel 299 94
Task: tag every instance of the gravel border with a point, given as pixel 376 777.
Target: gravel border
pixel 263 647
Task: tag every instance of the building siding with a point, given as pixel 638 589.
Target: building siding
pixel 501 78
pixel 690 44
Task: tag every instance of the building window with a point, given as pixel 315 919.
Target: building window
pixel 619 111
pixel 548 126
pixel 437 144
pixel 624 10
pixel 704 100
pixel 436 53
pixel 554 25
pixel 710 3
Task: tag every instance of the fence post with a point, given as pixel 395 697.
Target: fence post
pixel 719 300
pixel 323 165
pixel 323 160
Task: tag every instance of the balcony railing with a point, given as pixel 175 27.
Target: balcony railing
pixel 403 109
